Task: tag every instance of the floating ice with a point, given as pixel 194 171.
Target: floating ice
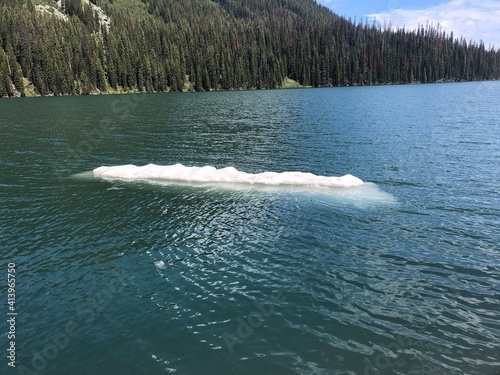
pixel 229 175
pixel 345 190
pixel 160 264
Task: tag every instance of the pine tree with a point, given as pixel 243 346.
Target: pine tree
pixel 5 85
pixel 223 44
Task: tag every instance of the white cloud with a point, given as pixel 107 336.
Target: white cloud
pixel 473 19
pixel 332 4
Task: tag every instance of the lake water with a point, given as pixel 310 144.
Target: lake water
pixel 151 276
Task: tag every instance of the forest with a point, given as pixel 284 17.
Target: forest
pixel 74 47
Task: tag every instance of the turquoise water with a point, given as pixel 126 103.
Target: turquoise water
pixel 398 276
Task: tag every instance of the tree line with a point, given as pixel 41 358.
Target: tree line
pixel 174 45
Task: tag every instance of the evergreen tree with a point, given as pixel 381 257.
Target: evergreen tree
pixel 5 85
pixel 163 45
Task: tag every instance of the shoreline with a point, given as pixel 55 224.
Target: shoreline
pixel 120 91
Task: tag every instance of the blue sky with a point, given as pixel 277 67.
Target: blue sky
pixel 472 19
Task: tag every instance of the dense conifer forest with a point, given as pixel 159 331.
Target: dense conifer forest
pixel 83 47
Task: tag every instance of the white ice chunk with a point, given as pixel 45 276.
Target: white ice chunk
pixel 208 174
pixel 160 264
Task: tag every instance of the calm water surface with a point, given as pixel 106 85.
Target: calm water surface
pixel 117 277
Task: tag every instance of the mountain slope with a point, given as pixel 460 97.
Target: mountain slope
pixel 176 45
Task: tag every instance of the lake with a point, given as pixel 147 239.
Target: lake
pixel 244 273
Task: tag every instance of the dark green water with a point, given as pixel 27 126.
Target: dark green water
pixel 400 276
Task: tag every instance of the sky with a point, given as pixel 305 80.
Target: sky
pixel 473 19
